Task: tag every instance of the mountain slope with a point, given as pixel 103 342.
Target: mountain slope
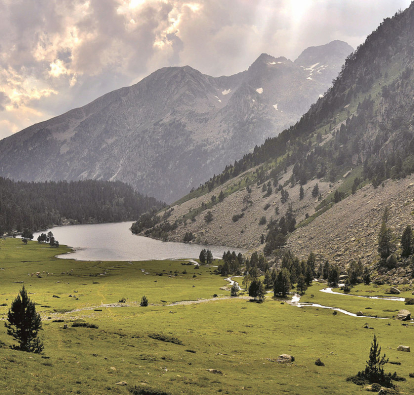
pixel 330 176
pixel 175 128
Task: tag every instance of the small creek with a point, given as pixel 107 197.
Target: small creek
pixel 295 301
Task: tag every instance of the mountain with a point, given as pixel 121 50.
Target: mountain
pixel 329 183
pixel 175 128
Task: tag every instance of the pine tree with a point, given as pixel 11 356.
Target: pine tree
pixel 301 285
pixel 282 283
pixel 203 256
pixel 23 323
pixel 315 191
pixel 256 290
pixel 301 193
pixel 385 245
pixel 406 241
pixel 209 257
pixel 374 370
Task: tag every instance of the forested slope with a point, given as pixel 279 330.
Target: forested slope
pixel 37 206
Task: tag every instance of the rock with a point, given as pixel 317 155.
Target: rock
pixel 121 383
pixel 285 358
pixel 403 315
pixel 215 371
pixel 360 314
pixel 403 348
pixel 394 291
pixel 318 362
pixel 409 301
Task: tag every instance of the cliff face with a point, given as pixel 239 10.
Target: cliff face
pixel 174 129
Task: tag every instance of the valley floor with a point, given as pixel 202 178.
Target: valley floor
pixel 186 341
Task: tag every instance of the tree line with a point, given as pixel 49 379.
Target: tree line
pixel 39 205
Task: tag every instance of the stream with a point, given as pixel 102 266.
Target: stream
pixel 295 301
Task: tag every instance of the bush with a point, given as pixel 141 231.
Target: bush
pixel 165 338
pixel 146 391
pixel 263 220
pixel 84 325
pixel 236 217
pixel 144 301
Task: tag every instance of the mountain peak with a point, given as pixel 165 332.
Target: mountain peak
pixel 324 53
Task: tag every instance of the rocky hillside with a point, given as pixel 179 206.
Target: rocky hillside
pixel 174 129
pixel 323 184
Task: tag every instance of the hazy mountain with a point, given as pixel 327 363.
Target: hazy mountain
pixel 175 128
pixel 351 154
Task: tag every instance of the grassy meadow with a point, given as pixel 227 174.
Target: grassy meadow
pixel 223 345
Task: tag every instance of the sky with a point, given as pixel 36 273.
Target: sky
pixel 56 55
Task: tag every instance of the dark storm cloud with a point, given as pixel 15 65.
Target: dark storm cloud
pixel 60 54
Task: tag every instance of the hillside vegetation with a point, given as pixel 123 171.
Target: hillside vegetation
pixel 37 206
pixel 353 149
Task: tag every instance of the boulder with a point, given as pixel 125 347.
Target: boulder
pixel 409 301
pixel 393 291
pixel 285 358
pixel 404 315
pixel 121 383
pixel 403 348
pixel 360 314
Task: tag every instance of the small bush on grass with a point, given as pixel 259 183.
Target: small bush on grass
pixel 146 391
pixel 165 338
pixel 84 325
pixel 144 301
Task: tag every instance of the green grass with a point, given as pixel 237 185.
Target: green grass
pixel 135 344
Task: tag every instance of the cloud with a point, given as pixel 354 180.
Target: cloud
pixel 60 54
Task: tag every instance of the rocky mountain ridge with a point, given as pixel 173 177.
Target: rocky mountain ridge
pixel 175 128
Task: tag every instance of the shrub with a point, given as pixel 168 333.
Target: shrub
pixel 165 338
pixel 263 220
pixel 144 301
pixel 146 391
pixel 236 217
pixel 84 325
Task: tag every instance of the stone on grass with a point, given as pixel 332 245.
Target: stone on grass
pixel 393 290
pixel 403 315
pixel 285 358
pixel 403 348
pixel 121 383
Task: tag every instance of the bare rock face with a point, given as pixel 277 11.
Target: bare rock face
pixel 174 129
pixel 403 315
